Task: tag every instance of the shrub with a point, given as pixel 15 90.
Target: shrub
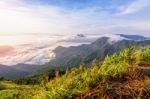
pixel 145 55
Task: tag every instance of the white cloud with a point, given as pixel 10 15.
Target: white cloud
pixel 17 16
pixel 134 7
pixel 20 17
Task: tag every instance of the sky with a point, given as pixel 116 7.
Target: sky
pixel 75 16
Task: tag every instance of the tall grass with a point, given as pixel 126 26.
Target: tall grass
pixel 145 55
pixel 10 90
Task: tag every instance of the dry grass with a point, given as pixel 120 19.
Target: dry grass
pixel 134 84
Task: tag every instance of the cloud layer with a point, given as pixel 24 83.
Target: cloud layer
pixel 39 50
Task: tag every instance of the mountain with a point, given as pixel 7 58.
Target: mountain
pixel 20 70
pixel 11 72
pixel 134 37
pixel 75 55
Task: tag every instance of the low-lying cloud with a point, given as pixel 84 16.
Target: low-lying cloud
pixel 39 50
pixel 5 50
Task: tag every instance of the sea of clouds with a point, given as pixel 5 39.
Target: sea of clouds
pixel 38 48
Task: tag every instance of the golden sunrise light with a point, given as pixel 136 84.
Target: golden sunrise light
pixel 74 49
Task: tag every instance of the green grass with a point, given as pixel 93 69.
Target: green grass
pixel 73 82
pixel 7 85
pixel 10 90
pixel 145 55
pixel 77 79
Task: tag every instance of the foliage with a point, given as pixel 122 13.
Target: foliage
pixel 116 64
pixel 145 55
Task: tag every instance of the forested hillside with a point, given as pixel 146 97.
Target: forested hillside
pixel 75 55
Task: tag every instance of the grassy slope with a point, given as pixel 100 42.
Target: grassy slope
pixel 10 90
pixel 79 80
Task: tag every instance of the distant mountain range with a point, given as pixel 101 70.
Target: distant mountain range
pixel 134 37
pixel 75 55
pixel 18 71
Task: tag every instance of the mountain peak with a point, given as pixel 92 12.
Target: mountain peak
pixel 109 38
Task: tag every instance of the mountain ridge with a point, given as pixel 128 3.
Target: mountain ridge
pixel 96 50
pixel 75 55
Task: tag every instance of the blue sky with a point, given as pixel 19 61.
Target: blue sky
pixel 80 4
pixel 75 16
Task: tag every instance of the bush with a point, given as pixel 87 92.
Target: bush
pixel 145 55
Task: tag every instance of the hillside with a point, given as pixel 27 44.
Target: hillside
pixel 20 70
pixel 75 55
pixel 11 72
pixel 124 75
